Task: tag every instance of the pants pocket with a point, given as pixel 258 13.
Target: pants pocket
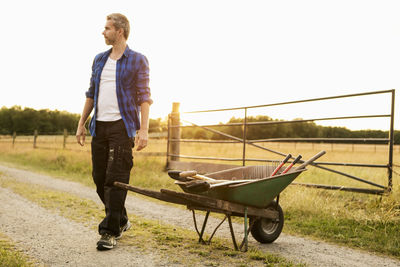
pixel 120 161
pixel 126 159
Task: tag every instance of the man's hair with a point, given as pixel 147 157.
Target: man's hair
pixel 120 22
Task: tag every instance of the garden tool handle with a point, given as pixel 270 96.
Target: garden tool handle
pixel 291 164
pixel 318 155
pixel 185 174
pixel 194 175
pixel 280 165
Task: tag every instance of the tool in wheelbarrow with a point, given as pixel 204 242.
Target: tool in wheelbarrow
pixel 188 176
pixel 281 164
pixel 253 199
pixel 199 183
pixel 291 164
pixel 185 178
pixel 311 160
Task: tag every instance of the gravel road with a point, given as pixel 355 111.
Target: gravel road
pixel 62 242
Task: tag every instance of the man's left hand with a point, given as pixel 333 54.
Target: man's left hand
pixel 141 139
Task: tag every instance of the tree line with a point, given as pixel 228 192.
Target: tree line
pixel 24 121
pixel 282 130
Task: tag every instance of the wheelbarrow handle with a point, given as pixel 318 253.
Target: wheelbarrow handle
pixel 318 155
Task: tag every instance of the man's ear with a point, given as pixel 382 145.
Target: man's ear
pixel 121 31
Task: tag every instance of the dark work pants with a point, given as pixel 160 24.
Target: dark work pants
pixel 112 161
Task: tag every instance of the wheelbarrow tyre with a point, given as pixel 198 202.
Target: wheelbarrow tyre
pixel 267 230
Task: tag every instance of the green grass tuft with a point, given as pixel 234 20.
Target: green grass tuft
pixel 10 256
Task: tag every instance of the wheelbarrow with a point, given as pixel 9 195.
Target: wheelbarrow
pixel 251 192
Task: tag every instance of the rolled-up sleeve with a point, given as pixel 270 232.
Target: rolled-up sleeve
pixel 90 92
pixel 142 82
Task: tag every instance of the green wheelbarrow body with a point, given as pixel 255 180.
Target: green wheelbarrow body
pixel 256 193
pixel 259 193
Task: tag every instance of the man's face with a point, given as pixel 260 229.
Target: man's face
pixel 110 33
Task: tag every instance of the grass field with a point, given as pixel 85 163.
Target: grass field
pixel 362 221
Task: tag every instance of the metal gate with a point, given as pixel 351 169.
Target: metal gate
pixel 174 140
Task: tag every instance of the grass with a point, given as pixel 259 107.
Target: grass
pixel 177 245
pixel 367 222
pixel 10 256
pixel 361 221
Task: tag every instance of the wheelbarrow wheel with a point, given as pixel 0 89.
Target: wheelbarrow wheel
pixel 267 230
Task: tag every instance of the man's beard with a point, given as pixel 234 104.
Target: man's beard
pixel 109 41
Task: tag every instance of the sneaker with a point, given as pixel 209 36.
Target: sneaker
pixel 124 228
pixel 106 242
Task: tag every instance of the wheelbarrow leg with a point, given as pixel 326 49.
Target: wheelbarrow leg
pixel 246 233
pixel 203 228
pixel 232 233
pixel 200 234
pixel 215 230
pixel 195 222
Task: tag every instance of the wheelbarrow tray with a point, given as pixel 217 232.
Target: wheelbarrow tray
pixel 256 193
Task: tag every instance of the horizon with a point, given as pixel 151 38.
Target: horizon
pixel 184 122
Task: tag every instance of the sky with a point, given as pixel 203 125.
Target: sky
pixel 212 55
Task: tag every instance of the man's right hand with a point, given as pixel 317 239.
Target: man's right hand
pixel 81 134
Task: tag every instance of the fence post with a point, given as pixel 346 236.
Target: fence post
pixel 168 138
pixel 391 142
pixel 35 135
pixel 65 138
pixel 244 137
pixel 175 131
pixel 13 138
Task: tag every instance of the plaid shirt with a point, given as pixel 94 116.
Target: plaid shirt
pixel 132 83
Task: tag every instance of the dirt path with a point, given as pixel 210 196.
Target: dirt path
pixel 57 241
pixel 313 253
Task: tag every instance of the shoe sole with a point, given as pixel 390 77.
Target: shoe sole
pixel 105 247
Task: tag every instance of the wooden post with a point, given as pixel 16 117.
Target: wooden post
pixel 13 138
pixel 244 137
pixel 35 135
pixel 175 132
pixel 65 138
pixel 168 139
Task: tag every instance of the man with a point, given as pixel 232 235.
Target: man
pixel 119 91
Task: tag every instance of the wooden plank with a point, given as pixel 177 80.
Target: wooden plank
pixel 202 208
pixel 154 194
pixel 200 167
pixel 223 205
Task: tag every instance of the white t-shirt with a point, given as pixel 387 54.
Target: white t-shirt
pixel 107 104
